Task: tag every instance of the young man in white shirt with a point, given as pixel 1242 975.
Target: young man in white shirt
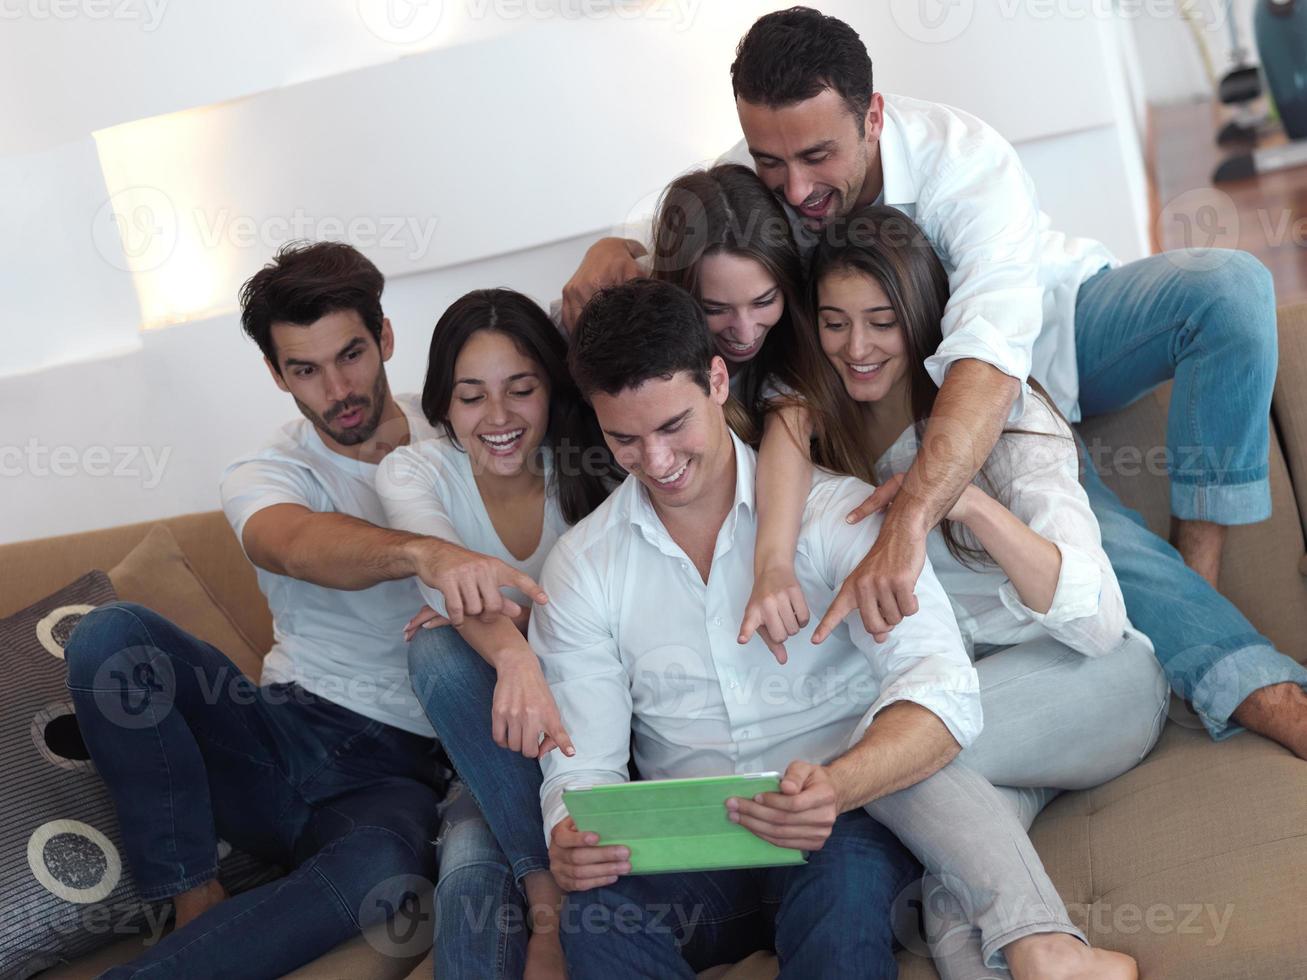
pixel 1029 302
pixel 330 767
pixel 639 637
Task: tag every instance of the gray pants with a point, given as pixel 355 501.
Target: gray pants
pixel 1054 720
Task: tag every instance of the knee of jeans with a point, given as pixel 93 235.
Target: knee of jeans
pixel 370 861
pixel 102 633
pixel 1241 295
pixel 466 844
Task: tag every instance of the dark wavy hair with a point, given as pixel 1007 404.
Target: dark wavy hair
pixel 583 466
pixel 303 283
pixel 886 245
pixel 728 209
pixel 792 55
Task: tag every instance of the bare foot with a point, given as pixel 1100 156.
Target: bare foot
pixel 192 904
pixel 1280 713
pixel 1200 544
pixel 1057 956
pixel 544 957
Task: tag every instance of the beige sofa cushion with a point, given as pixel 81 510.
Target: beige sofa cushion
pixel 156 574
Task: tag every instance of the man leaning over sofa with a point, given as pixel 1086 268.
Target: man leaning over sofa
pixel 330 767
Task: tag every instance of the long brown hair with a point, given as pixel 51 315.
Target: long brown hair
pixel 886 245
pixel 727 209
pixel 583 467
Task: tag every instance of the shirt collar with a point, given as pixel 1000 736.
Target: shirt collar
pixel 899 182
pixel 641 511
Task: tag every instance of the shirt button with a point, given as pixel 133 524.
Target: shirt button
pixel 685 565
pixel 746 733
pixel 717 621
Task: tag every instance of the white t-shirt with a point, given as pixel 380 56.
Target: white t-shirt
pixel 347 647
pixel 428 488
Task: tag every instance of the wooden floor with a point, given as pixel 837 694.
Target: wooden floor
pixel 1265 215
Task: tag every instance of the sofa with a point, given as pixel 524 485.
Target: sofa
pixel 1195 862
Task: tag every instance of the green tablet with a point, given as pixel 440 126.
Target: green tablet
pixel 679 824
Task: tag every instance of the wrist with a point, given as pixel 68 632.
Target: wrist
pixel 908 518
pixel 414 552
pixel 847 796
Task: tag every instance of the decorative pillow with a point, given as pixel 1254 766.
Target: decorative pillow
pixel 156 574
pixel 66 889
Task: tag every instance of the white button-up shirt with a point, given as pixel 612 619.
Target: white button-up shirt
pixel 633 640
pixel 1013 281
pixel 1036 476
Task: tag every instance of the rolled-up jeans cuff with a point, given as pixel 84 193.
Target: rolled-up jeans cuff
pixel 1222 503
pixel 992 950
pixel 1238 674
pixel 156 893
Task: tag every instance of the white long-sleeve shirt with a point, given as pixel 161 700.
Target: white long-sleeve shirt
pixel 1012 280
pixel 1037 478
pixel 633 640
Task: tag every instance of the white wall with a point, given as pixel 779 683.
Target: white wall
pixel 520 135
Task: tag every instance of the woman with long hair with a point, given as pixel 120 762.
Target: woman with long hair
pixel 1071 692
pixel 519 458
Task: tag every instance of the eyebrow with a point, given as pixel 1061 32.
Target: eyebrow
pixel 666 425
pixel 821 147
pixel 869 309
pixel 705 301
pixel 297 362
pixel 520 376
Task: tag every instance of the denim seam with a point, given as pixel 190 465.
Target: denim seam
pixel 160 892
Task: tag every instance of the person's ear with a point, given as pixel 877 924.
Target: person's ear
pixel 387 339
pixel 719 380
pixel 874 121
pixel 276 375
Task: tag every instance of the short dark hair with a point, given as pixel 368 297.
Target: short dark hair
pixel 791 55
pixel 306 281
pixel 638 331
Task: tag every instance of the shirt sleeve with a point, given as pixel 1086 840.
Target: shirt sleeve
pixel 408 484
pixel 924 659
pixel 1041 486
pixel 572 636
pixel 251 485
pixel 980 211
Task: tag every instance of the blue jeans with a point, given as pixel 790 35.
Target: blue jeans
pixel 830 917
pixel 483 861
pixel 193 751
pixel 1208 321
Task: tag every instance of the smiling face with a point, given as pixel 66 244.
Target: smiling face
pixel 336 373
pixel 741 302
pixel 671 435
pixel 861 335
pixel 500 407
pixel 811 155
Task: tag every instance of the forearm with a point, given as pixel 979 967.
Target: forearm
pixel 969 415
pixel 499 642
pixel 337 551
pixel 1030 561
pixel 905 744
pixel 784 477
